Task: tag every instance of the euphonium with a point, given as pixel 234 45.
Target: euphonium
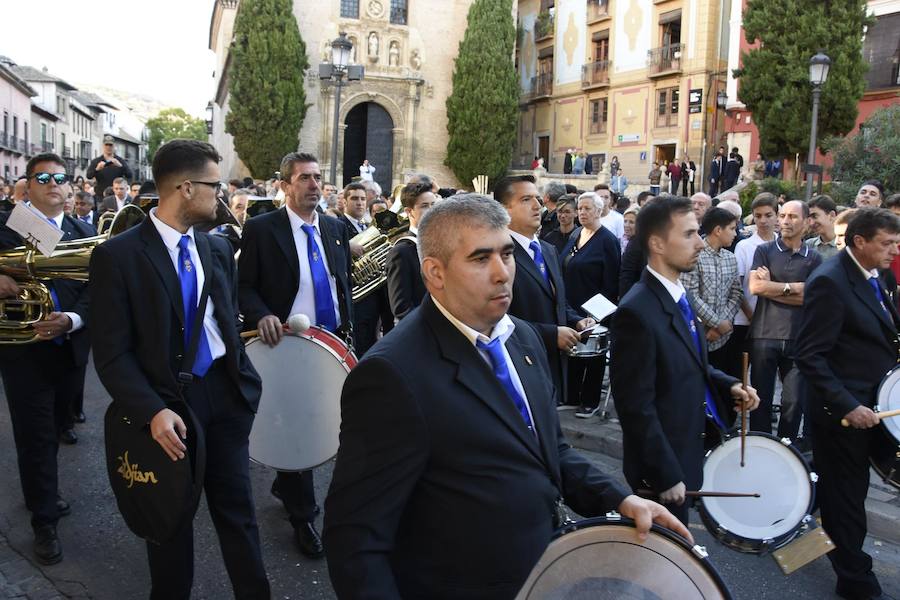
pixel 369 272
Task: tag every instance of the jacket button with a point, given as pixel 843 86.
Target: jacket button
pixel 703 435
pixel 179 357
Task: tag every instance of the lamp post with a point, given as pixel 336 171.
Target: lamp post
pixel 818 74
pixel 334 72
pixel 209 118
pixel 721 103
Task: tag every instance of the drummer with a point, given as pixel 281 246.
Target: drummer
pixel 295 260
pixel 846 342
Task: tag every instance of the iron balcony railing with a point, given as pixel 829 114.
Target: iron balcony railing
pixel 665 59
pixel 595 73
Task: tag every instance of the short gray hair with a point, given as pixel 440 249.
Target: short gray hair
pixel 439 229
pixel 594 197
pixel 554 189
pixel 372 186
pixel 732 207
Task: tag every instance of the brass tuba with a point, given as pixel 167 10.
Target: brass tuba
pixel 30 268
pixel 368 271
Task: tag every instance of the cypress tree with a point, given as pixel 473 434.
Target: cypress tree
pixel 268 101
pixel 483 107
pixel 774 78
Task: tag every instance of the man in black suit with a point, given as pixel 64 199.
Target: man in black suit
pixel 404 274
pixel 280 275
pixel 153 280
pixel 662 382
pixel 41 378
pixel 119 198
pixel 85 209
pixel 539 293
pixel 716 171
pixel 846 342
pixel 368 312
pixel 452 467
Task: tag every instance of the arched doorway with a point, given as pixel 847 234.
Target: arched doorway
pixel 369 135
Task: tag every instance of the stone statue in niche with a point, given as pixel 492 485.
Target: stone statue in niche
pixel 355 43
pixel 394 54
pixel 373 46
pixel 415 60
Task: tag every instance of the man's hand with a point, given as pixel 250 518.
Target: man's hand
pixel 644 512
pixel 55 325
pixel 356 250
pixel 584 324
pixel 724 327
pixel 862 417
pixel 270 330
pixel 762 273
pixel 163 429
pixel 566 338
pixel 748 399
pixel 100 165
pixel 115 162
pixel 8 287
pixel 674 495
pixel 712 335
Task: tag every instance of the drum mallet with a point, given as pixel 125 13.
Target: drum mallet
pixel 881 415
pixel 704 494
pixel 298 323
pixel 744 380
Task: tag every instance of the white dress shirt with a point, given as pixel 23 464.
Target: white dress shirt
pixel 359 225
pixel 77 323
pixel 675 288
pixel 525 242
pixel 170 238
pixel 121 203
pixel 503 330
pixel 867 274
pixel 305 300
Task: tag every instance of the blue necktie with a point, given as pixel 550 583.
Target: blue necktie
pixel 324 304
pixel 188 277
pixel 58 340
pixel 501 371
pixel 539 260
pixel 86 219
pixel 688 315
pixel 873 281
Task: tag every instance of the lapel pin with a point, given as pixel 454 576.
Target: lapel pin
pixel 338 242
pixel 528 360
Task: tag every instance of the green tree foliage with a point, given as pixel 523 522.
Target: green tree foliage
pixel 774 79
pixel 172 123
pixel 873 153
pixel 483 108
pixel 268 101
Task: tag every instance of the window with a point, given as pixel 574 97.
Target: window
pixel 26 133
pixel 5 122
pixel 667 107
pixel 350 9
pixel 15 126
pixel 881 49
pixel 43 132
pixel 398 12
pixel 62 142
pixel 598 116
pixel 601 48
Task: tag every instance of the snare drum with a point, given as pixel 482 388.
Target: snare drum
pixel 885 453
pixel 299 418
pixel 773 469
pixel 596 344
pixel 601 559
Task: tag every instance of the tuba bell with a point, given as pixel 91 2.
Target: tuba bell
pixel 369 270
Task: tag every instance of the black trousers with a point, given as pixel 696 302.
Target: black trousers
pixel 841 455
pixel 297 495
pixel 370 315
pixel 226 422
pixel 76 403
pixel 771 358
pixel 39 382
pixel 586 381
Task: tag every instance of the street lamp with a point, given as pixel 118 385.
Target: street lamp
pixel 334 72
pixel 722 99
pixel 209 118
pixel 818 74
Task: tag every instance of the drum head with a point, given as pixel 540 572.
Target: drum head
pixel 603 560
pixel 889 399
pixel 775 471
pixel 299 417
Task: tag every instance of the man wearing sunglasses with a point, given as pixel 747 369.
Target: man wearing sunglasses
pixel 167 289
pixel 41 379
pixel 108 166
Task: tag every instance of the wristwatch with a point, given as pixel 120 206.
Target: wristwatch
pixel 787 290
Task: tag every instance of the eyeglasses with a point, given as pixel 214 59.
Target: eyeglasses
pixel 213 184
pixel 44 178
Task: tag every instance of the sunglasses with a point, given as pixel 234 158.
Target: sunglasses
pixel 44 178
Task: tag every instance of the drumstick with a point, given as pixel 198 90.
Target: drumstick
pixel 705 494
pixel 746 368
pixel 881 415
pixel 295 324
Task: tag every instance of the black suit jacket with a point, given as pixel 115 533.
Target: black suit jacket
pixel 440 490
pixel 716 169
pixel 845 343
pixel 633 262
pixel 405 286
pixel 73 295
pixel 138 339
pixel 109 204
pixel 543 306
pixel 350 226
pixel 269 273
pixel 659 384
pixel 592 269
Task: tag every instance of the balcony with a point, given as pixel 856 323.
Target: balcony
pixel 66 153
pixel 12 143
pixel 83 162
pixel 595 74
pixel 597 10
pixel 46 146
pixel 542 86
pixel 543 26
pixel 665 60
pixel 4 140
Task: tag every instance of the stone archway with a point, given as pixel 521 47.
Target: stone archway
pixel 369 134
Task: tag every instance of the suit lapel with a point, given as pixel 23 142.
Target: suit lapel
pixel 676 319
pixel 284 237
pixel 865 293
pixel 528 265
pixel 205 254
pixel 159 258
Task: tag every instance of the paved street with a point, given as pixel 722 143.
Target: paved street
pixel 103 560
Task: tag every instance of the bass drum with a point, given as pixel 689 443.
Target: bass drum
pixel 601 559
pixel 885 445
pixel 773 469
pixel 299 418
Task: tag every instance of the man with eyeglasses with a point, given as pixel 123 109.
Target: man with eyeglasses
pixel 108 166
pixel 280 273
pixel 42 378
